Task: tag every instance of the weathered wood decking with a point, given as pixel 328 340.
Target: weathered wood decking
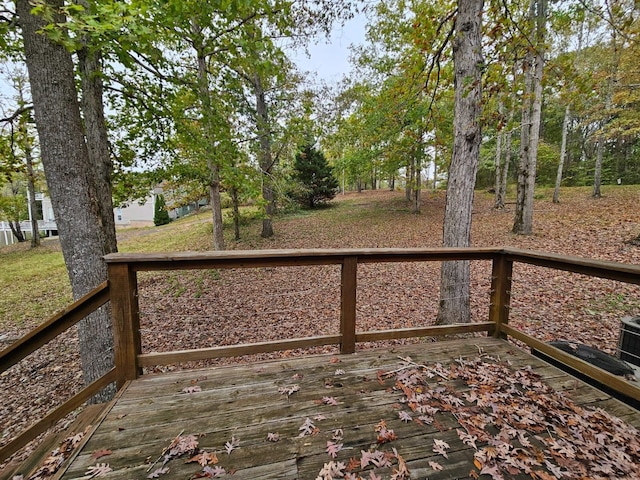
pixel 243 402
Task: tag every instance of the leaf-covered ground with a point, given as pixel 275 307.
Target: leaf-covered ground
pixel 203 308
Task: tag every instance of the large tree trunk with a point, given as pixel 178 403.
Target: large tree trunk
pixel 467 58
pixel 72 188
pixel 563 154
pixel 265 156
pixel 95 127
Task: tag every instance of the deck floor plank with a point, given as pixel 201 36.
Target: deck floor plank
pixel 243 401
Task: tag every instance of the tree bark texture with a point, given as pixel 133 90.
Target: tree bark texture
pixel 563 154
pixel 499 201
pixel 265 156
pixel 27 148
pixel 467 57
pixel 534 67
pixel 72 188
pixel 214 168
pixel 95 127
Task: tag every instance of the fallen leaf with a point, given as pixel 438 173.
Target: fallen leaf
pixel 333 448
pixel 98 470
pixel 192 389
pixel 160 471
pixel 100 453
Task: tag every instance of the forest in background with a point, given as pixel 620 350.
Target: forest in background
pixel 209 101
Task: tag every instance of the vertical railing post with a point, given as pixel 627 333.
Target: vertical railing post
pixel 500 293
pixel 123 287
pixel 348 304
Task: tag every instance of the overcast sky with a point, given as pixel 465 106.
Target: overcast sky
pixel 330 58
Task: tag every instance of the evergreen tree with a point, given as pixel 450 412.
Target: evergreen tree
pixel 160 214
pixel 315 177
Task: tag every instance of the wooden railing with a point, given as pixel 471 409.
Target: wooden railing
pixel 122 291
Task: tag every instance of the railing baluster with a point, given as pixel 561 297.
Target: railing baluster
pixel 500 293
pixel 349 280
pixel 126 321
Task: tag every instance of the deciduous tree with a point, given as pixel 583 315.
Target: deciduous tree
pixel 467 58
pixel 71 182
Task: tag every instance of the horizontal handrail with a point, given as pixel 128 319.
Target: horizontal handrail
pixel 53 327
pixel 594 268
pixel 265 258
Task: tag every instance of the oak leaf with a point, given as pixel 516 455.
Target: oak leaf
pixel 204 458
pixel 158 471
pixel 441 447
pixel 98 470
pixel 333 448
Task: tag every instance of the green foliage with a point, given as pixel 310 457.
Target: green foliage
pixel 160 214
pixel 315 178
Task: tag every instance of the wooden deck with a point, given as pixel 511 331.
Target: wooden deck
pixel 244 403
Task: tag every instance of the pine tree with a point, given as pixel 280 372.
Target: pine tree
pixel 315 176
pixel 160 214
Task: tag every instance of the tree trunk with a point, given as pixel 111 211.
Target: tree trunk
pixel 508 138
pixel 95 126
pixel 16 229
pixel 212 164
pixel 236 212
pixel 467 59
pixel 418 186
pixel 563 154
pixel 597 173
pixel 499 202
pixel 523 223
pixel 27 149
pixel 265 157
pixel 72 189
pixel 31 191
pixel 410 175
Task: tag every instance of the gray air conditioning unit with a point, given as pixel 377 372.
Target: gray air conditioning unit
pixel 629 341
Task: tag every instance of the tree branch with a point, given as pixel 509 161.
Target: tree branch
pixel 16 114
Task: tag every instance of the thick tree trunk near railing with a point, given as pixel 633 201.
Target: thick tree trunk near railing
pixel 467 57
pixel 72 188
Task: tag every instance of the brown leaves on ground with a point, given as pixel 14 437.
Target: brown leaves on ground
pixel 185 310
pixel 517 424
pixel 56 458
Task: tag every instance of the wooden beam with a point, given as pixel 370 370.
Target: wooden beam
pixel 53 327
pixel 126 322
pixel 617 383
pixel 178 356
pixel 435 331
pixel 348 286
pixel 261 258
pixel 52 417
pixel 594 268
pixel 500 293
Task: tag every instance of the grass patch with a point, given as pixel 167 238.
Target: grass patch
pixel 34 284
